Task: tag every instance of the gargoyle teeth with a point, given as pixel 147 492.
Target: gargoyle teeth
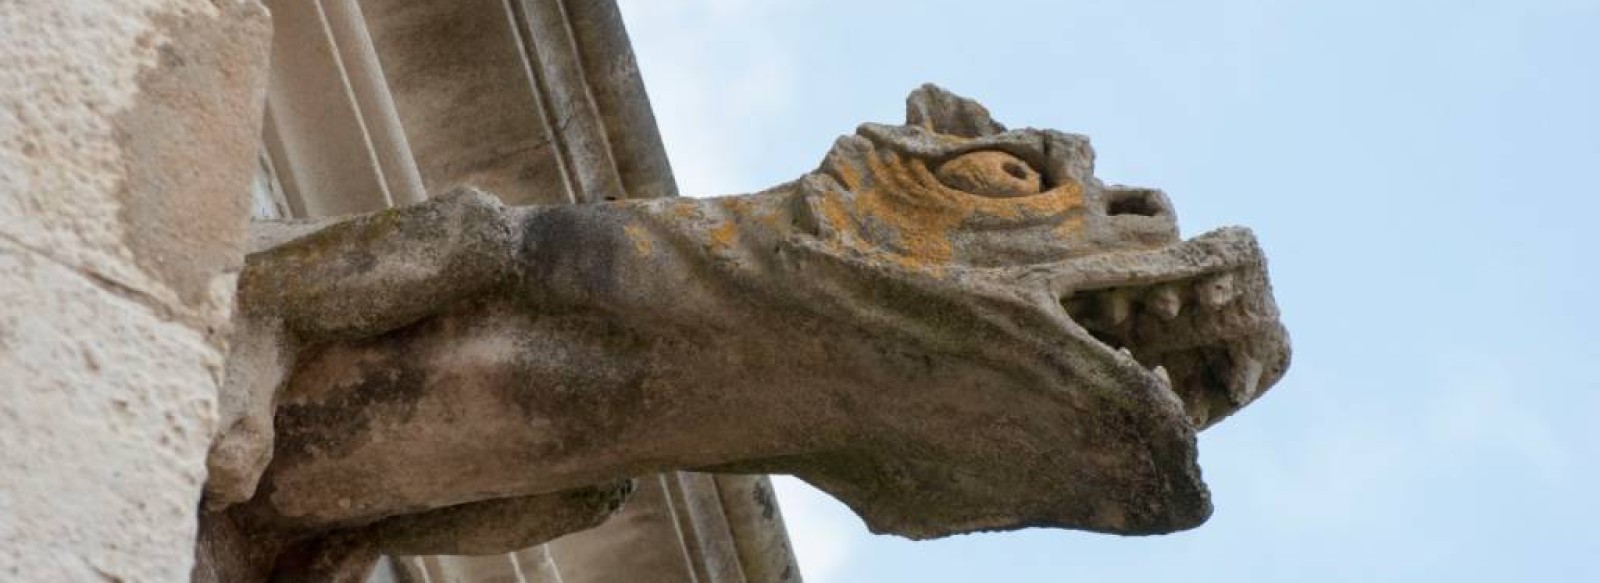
pixel 1216 291
pixel 1165 302
pixel 1161 372
pixel 1244 379
pixel 1125 352
pixel 1118 306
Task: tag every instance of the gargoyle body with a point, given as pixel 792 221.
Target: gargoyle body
pixel 949 326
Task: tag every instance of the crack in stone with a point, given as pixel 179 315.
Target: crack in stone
pixel 109 285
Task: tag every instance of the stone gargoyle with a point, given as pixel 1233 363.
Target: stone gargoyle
pixel 950 326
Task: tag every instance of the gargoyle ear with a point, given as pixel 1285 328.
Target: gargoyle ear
pixel 941 111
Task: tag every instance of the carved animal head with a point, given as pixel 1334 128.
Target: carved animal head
pixel 1101 340
pixel 953 190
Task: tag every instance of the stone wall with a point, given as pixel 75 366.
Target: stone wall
pixel 128 133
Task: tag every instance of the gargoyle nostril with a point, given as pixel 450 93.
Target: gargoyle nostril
pixel 1142 203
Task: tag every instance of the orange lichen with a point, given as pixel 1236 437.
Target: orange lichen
pixel 847 174
pixel 723 236
pixel 835 214
pixel 1070 227
pixel 640 239
pixel 686 209
pixel 744 208
pixel 923 214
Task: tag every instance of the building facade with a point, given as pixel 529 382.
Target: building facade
pixel 135 141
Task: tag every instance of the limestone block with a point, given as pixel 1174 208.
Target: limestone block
pixel 128 133
pixel 104 424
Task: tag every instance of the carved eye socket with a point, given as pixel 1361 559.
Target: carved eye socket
pixel 990 173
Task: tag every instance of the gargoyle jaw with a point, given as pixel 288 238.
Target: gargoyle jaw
pixel 1208 328
pixel 1084 415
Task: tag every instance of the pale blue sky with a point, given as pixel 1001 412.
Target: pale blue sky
pixel 1422 175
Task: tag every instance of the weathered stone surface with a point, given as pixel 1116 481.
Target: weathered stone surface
pixel 499 525
pixel 233 552
pixel 990 173
pixel 756 523
pixel 943 360
pixel 127 143
pixel 103 427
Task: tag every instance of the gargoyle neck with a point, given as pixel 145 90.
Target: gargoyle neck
pixel 534 403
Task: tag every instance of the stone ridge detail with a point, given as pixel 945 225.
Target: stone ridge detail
pixel 950 326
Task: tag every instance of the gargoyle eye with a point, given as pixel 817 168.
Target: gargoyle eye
pixel 990 173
